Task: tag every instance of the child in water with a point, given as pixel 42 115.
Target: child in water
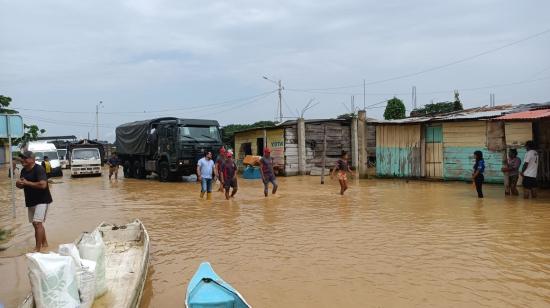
pixel 511 171
pixel 343 168
pixel 477 175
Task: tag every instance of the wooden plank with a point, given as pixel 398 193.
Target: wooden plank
pixel 517 133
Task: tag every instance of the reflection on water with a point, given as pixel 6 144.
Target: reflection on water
pixel 385 243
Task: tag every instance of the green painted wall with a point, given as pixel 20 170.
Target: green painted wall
pixel 458 163
pixel 397 162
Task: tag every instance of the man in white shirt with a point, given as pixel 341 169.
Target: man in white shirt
pixel 529 171
pixel 205 170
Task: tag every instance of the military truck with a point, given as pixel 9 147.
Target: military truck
pixel 169 147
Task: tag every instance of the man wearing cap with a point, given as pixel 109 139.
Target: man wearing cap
pixel 34 183
pixel 229 175
pixel 266 170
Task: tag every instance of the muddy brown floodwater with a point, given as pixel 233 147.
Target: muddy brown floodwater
pixel 386 243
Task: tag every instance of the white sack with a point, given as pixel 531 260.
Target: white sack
pixel 91 247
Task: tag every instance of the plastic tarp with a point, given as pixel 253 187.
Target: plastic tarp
pixel 131 138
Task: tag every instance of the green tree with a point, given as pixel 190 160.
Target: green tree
pixel 395 109
pixel 457 105
pixel 32 131
pixel 346 116
pixel 229 130
pixel 4 104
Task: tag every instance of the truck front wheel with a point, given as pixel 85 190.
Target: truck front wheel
pixel 127 169
pixel 164 172
pixel 139 171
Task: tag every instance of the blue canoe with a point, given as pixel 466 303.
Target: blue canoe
pixel 206 289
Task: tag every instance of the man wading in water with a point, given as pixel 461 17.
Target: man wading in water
pixel 229 175
pixel 34 182
pixel 266 169
pixel 205 169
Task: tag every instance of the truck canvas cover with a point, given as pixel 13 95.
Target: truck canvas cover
pixel 131 138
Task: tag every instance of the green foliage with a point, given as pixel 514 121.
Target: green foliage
pixel 395 109
pixel 31 131
pixel 441 107
pixel 229 130
pixel 4 104
pixel 457 104
pixel 346 116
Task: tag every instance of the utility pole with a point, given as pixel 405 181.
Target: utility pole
pixel 280 102
pixel 414 97
pixel 97 120
pixel 280 88
pixel 364 95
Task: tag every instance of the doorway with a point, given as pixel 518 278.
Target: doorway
pixel 434 150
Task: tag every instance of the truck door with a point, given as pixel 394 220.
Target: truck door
pixel 167 144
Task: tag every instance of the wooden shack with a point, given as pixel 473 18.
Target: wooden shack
pixel 253 141
pixel 442 147
pixel 531 123
pixel 338 134
pixel 283 140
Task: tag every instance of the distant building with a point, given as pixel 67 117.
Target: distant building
pixel 283 141
pixel 442 146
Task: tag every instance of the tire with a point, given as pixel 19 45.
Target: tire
pixel 139 171
pixel 164 172
pixel 127 169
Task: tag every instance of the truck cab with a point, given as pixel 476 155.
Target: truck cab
pixel 169 147
pixel 85 161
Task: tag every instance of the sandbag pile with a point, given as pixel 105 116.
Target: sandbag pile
pixel 91 247
pixel 74 277
pixel 53 280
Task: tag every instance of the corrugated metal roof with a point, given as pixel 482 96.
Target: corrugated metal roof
pixel 468 114
pixel 526 115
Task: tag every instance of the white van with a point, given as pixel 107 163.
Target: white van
pixel 62 153
pixel 85 161
pixel 43 148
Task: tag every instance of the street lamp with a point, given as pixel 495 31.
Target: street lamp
pixel 100 104
pixel 280 89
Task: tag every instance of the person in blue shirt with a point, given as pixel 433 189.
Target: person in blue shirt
pixel 205 170
pixel 477 175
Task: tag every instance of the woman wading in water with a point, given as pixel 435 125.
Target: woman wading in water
pixel 343 168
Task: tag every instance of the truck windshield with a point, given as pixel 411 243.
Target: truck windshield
pixel 87 154
pixel 40 155
pixel 202 133
pixel 62 153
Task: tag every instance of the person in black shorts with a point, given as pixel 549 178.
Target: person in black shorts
pixel 34 182
pixel 229 175
pixel 529 171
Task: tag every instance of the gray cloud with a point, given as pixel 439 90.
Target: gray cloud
pixel 152 55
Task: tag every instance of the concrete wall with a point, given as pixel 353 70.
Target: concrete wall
pixel 398 152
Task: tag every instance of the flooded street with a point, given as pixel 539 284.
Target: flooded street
pixel 386 243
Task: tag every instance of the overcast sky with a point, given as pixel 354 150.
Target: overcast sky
pixel 205 58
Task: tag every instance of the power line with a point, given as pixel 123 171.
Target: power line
pixel 240 105
pixel 202 106
pixel 429 92
pixel 438 67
